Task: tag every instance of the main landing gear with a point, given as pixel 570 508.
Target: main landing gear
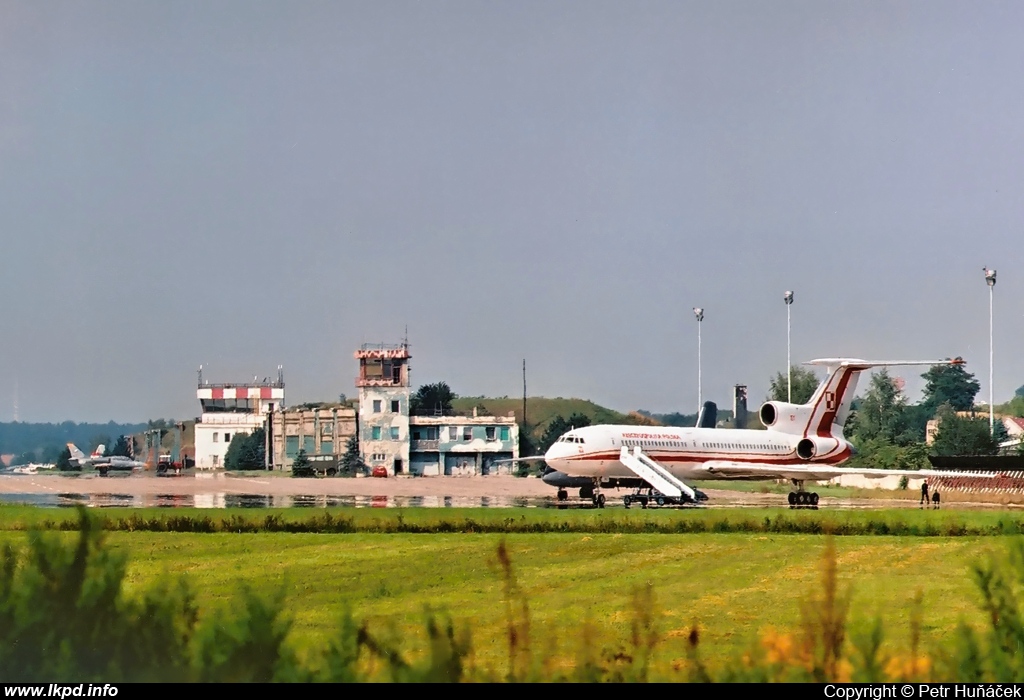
pixel 801 498
pixel 593 493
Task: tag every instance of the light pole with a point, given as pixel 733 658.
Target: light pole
pixel 788 297
pixel 990 278
pixel 699 313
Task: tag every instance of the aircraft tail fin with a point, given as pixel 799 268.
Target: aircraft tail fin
pixel 826 412
pixel 708 417
pixel 77 455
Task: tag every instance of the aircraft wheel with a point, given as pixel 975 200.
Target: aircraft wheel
pixel 626 500
pixel 814 499
pixel 599 500
pixel 562 495
pixel 792 498
pixel 660 501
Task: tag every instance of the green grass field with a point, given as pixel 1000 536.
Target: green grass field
pixel 732 585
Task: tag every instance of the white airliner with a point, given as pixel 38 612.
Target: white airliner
pixel 802 443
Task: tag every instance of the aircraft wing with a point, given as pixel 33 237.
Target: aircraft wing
pixel 539 458
pixel 747 470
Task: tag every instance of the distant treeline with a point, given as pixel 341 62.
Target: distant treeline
pixel 683 420
pixel 43 442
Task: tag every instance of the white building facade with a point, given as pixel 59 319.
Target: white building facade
pixel 230 410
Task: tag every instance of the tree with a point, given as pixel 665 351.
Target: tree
pixel 351 462
pixel 961 435
pixel 121 448
pixel 949 384
pixel 247 452
pixel 64 462
pixel 558 427
pixel 805 382
pixel 882 414
pixel 301 465
pixel 433 397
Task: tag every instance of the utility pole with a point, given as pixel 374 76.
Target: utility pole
pixel 524 393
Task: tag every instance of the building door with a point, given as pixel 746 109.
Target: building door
pixel 398 466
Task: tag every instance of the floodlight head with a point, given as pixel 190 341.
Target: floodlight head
pixel 990 277
pixel 699 313
pixel 788 297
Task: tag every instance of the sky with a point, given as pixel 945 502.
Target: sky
pixel 247 184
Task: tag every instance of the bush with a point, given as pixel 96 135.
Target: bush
pixel 65 617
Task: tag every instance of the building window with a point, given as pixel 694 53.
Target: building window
pixel 215 436
pixel 504 434
pixel 433 433
pixel 395 407
pixel 216 459
pixel 394 433
pixel 491 431
pixel 378 457
pixel 376 406
pixel 467 434
pixel 376 432
pixel 227 437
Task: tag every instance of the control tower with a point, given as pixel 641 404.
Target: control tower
pixel 230 409
pixel 384 395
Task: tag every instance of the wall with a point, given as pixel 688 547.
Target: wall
pixel 210 452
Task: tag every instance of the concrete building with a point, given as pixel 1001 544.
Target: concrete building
pixel 322 431
pixel 462 445
pixel 384 395
pixel 423 445
pixel 230 409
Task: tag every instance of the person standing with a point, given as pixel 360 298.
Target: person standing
pixel 924 493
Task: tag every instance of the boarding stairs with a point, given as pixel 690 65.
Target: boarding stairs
pixel 655 474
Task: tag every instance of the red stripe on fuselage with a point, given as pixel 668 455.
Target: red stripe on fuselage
pixel 690 457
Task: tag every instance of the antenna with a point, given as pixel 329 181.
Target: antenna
pixel 16 417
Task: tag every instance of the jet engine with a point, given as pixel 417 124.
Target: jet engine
pixel 784 417
pixel 816 446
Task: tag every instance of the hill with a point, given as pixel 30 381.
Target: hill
pixel 540 410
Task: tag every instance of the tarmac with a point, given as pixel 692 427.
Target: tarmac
pixel 225 490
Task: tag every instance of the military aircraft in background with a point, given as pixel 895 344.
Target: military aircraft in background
pixel 102 462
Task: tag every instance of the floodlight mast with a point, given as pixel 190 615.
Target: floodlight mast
pixel 699 314
pixel 788 297
pixel 990 279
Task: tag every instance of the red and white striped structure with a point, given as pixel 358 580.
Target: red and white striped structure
pixel 266 393
pixel 1006 482
pixel 230 410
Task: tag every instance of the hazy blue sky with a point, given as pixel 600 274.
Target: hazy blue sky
pixel 247 184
